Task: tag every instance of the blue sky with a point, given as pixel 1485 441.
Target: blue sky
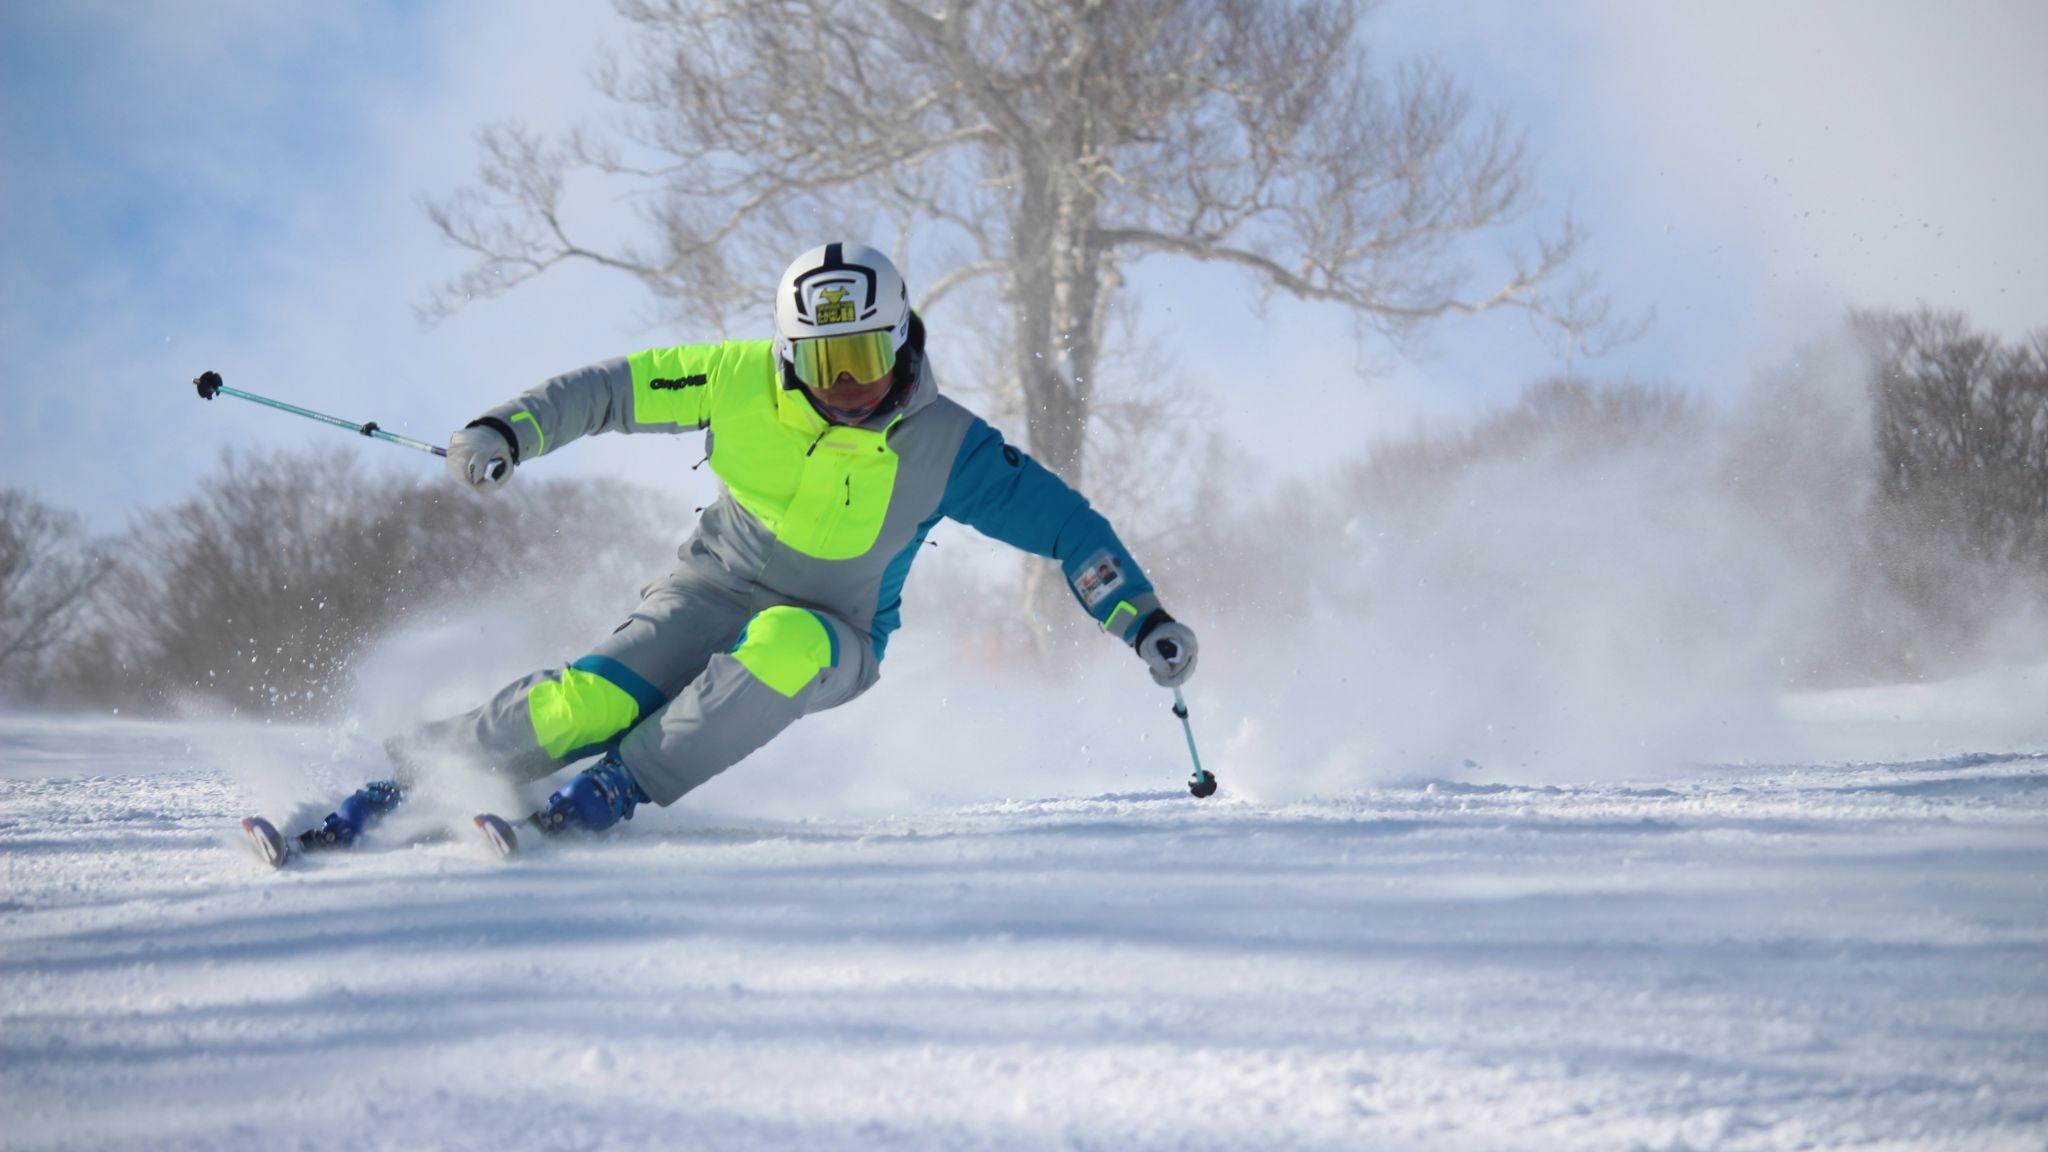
pixel 236 186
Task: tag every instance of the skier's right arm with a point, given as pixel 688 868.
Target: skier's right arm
pixel 659 390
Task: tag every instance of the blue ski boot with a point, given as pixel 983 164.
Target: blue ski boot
pixel 597 798
pixel 347 822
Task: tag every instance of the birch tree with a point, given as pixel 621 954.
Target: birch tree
pixel 1041 145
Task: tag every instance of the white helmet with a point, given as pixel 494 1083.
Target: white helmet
pixel 840 290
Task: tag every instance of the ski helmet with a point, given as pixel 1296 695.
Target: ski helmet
pixel 840 308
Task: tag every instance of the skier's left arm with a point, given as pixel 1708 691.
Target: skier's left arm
pixel 1005 494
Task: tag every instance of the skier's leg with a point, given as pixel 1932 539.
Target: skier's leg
pixel 543 722
pixel 788 662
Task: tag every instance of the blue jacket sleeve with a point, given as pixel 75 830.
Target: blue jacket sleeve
pixel 1005 494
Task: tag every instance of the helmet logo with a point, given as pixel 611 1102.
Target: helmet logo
pixel 834 305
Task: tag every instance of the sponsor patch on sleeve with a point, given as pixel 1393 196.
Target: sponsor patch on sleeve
pixel 1098 578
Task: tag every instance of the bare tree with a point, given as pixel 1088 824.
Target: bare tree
pixel 261 590
pixel 1962 427
pixel 1042 143
pixel 46 576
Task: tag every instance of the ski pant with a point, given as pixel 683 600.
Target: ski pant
pixel 699 676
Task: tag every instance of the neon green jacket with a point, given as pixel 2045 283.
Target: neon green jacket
pixel 826 515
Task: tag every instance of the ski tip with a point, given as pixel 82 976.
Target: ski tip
pixel 499 834
pixel 265 841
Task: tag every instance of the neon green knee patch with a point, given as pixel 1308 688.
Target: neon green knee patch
pixel 579 710
pixel 786 647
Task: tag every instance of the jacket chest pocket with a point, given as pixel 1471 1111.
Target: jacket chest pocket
pixel 842 500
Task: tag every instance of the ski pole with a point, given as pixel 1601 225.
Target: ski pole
pixel 1202 783
pixel 209 385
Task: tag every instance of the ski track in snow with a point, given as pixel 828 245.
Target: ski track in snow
pixel 1776 957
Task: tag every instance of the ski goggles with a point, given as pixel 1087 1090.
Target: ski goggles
pixel 865 356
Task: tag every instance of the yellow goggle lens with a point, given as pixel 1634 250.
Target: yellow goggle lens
pixel 865 356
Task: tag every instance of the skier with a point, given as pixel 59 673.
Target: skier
pixel 837 455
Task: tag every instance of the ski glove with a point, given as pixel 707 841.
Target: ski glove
pixel 1168 648
pixel 481 457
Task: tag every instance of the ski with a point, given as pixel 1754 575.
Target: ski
pixel 503 835
pixel 341 828
pixel 266 841
pixel 275 849
pixel 499 834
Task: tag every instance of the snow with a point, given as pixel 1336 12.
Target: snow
pixel 1801 955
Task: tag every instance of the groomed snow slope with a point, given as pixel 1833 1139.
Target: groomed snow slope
pixel 1760 957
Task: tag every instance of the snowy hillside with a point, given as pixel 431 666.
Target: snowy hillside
pixel 1761 957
